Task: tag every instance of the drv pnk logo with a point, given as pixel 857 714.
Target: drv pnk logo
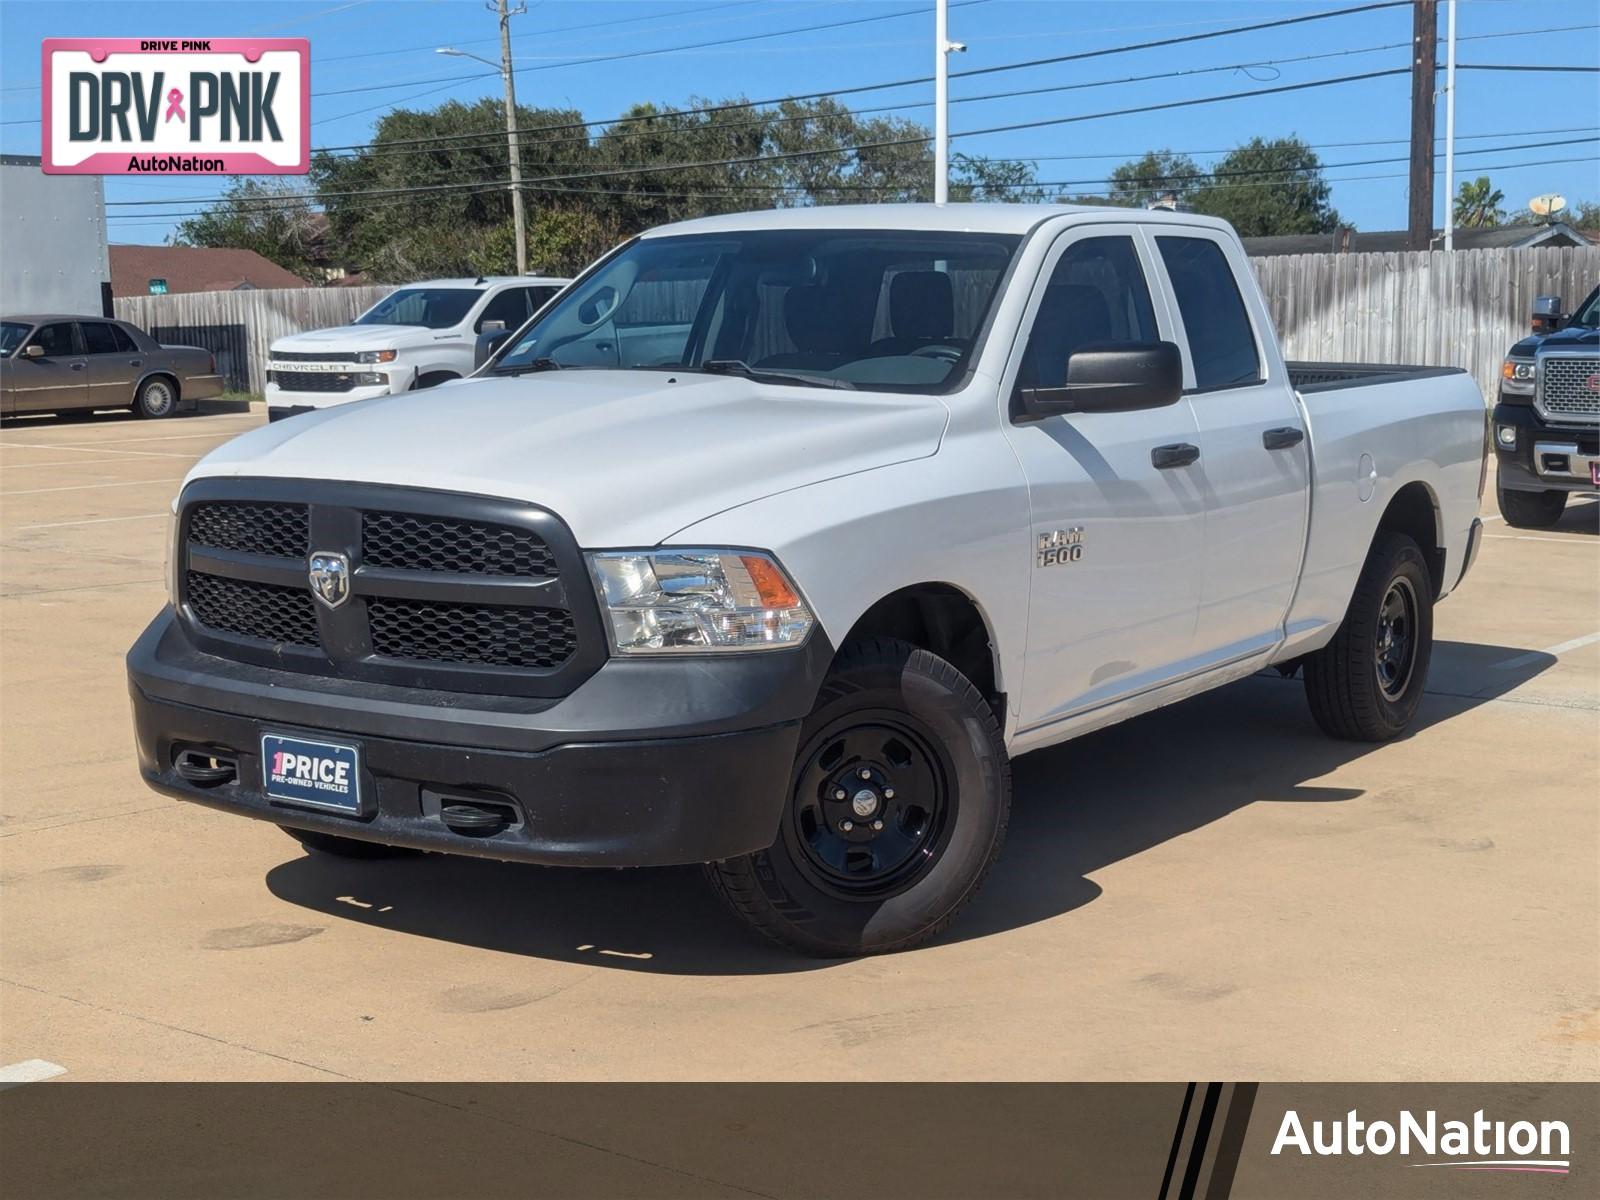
pixel 167 106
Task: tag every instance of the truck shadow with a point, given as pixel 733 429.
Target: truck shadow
pixel 1078 808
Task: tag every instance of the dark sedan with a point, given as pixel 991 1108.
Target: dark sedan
pixel 54 363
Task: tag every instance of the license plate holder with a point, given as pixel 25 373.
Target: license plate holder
pixel 311 773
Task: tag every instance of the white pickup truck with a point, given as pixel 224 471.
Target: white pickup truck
pixel 416 337
pixel 771 543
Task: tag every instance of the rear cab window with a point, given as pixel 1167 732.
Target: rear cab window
pixel 1216 324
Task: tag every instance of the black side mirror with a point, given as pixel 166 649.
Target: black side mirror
pixel 1547 314
pixel 1123 377
pixel 488 342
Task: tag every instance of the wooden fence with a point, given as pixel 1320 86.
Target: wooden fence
pixel 1431 308
pixel 240 326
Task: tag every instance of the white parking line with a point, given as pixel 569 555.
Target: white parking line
pixel 33 1070
pixel 1528 537
pixel 1534 656
pixel 96 521
pixel 87 487
pixel 96 449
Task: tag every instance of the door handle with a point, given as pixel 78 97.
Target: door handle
pixel 1282 439
pixel 1179 454
pixel 136 362
pixel 77 366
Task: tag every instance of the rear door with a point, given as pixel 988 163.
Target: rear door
pixel 1118 543
pixel 56 380
pixel 114 364
pixel 1254 456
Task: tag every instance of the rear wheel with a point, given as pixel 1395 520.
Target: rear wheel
pixel 343 847
pixel 157 397
pixel 1366 684
pixel 897 808
pixel 1530 510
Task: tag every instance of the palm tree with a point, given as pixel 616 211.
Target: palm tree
pixel 1478 203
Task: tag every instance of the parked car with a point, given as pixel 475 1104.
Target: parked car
pixel 54 363
pixel 416 337
pixel 1547 420
pixel 775 538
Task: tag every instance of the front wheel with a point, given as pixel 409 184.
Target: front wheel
pixel 157 398
pixel 1530 510
pixel 897 808
pixel 1366 684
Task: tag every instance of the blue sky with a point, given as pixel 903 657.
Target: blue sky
pixel 359 43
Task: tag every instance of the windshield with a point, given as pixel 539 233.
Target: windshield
pixel 889 310
pixel 11 335
pixel 1588 314
pixel 433 308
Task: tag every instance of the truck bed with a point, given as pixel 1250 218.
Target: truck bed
pixel 1330 376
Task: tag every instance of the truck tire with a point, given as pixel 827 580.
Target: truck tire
pixel 897 808
pixel 1366 684
pixel 1530 510
pixel 157 397
pixel 343 847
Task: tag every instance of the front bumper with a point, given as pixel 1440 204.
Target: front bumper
pixel 646 763
pixel 1546 457
pixel 279 398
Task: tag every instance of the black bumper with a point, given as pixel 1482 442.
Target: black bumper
pixel 647 763
pixel 1515 465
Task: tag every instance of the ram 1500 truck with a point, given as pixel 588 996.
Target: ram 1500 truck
pixel 773 540
pixel 416 337
pixel 1547 421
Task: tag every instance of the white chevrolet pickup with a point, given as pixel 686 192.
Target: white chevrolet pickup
pixel 771 542
pixel 416 337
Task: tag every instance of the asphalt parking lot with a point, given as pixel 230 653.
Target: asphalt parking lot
pixel 1212 891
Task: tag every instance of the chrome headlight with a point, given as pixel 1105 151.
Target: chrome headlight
pixel 694 601
pixel 1516 375
pixel 377 356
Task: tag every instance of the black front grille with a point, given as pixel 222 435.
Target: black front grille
pixel 317 356
pixel 314 381
pixel 276 530
pixel 407 542
pixel 451 592
pixel 264 611
pixel 483 635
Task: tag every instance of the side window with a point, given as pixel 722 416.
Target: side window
pixel 98 338
pixel 1222 344
pixel 539 296
pixel 125 342
pixel 55 340
pixel 510 308
pixel 1096 296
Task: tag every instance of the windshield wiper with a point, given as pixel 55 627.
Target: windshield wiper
pixel 529 368
pixel 736 366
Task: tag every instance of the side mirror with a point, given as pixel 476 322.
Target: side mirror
pixel 1547 314
pixel 488 342
pixel 33 350
pixel 491 326
pixel 1110 378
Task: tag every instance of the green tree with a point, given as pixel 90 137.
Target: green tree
pixel 1139 181
pixel 1478 204
pixel 1004 179
pixel 273 217
pixel 1269 187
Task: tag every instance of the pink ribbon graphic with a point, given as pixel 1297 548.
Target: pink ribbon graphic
pixel 175 105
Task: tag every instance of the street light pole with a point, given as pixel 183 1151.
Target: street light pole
pixel 943 49
pixel 518 216
pixel 1450 131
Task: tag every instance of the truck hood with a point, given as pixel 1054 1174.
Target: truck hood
pixel 356 337
pixel 1573 337
pixel 626 458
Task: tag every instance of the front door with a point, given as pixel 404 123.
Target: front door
pixel 1118 542
pixel 1254 456
pixel 55 380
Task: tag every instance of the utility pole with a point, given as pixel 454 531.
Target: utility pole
pixel 1450 128
pixel 518 216
pixel 1424 53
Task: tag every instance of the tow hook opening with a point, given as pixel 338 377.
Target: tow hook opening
pixel 471 816
pixel 205 767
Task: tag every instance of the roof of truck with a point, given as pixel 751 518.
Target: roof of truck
pixel 976 218
pixel 474 281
